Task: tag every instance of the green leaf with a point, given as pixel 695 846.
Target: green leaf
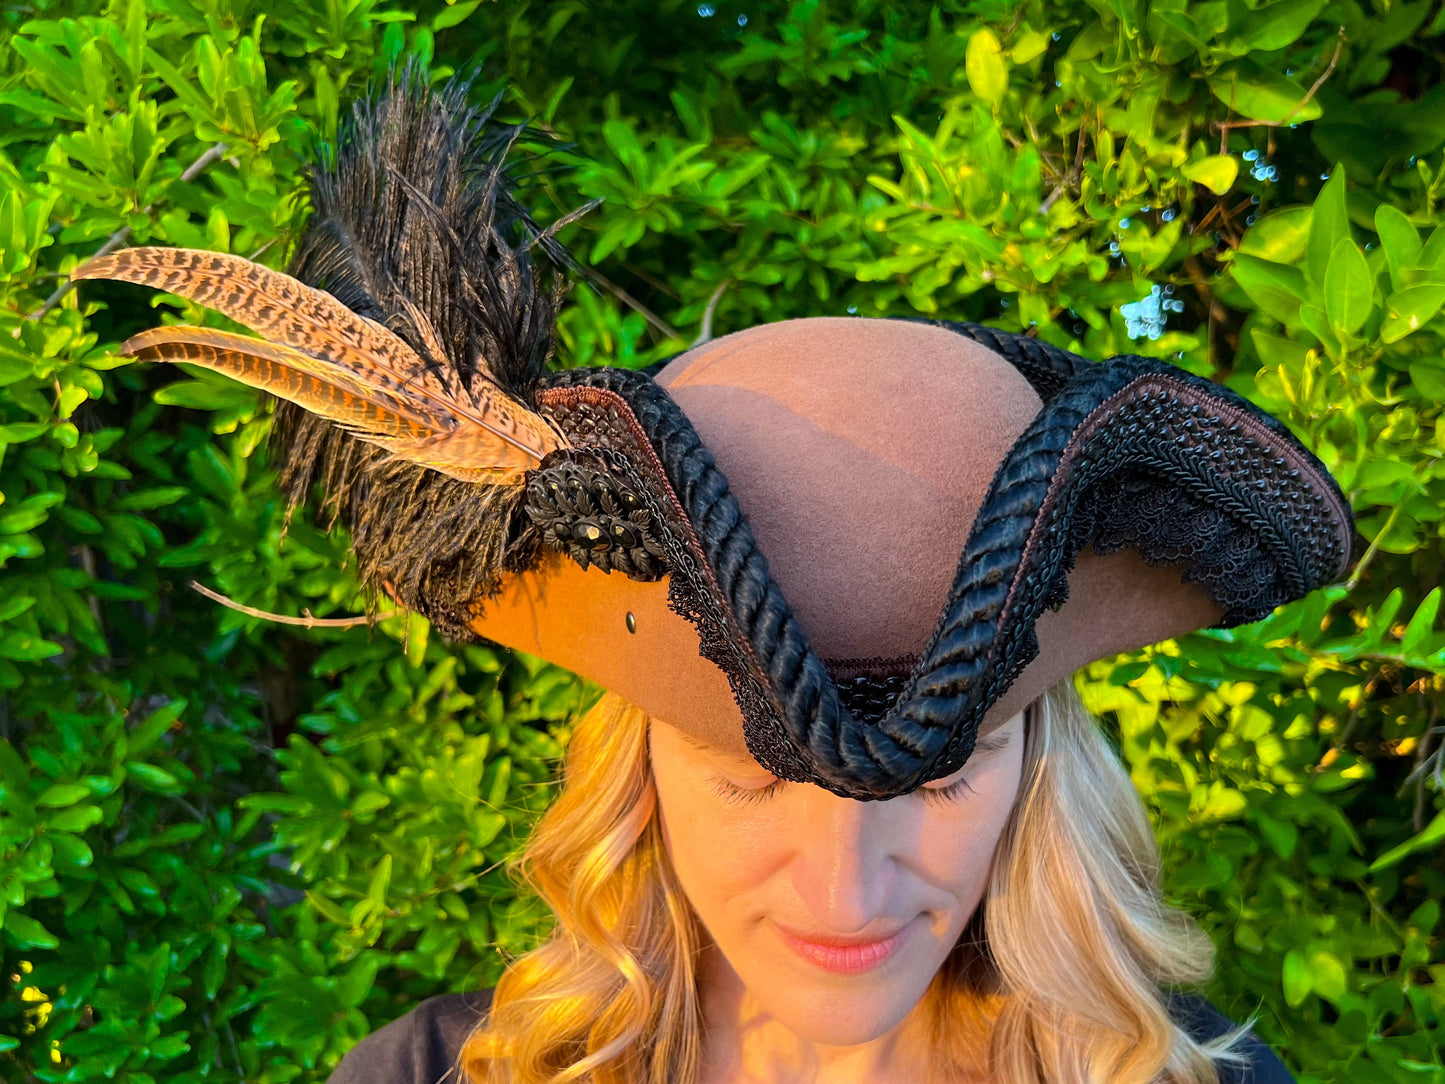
pixel 1279 237
pixel 70 851
pixel 380 881
pixel 71 396
pixel 1030 43
pixel 157 780
pixel 1223 803
pixel 1318 324
pixel 1282 835
pixel 204 395
pixel 146 499
pixel 78 818
pixel 1432 255
pixel 328 909
pixel 1400 240
pixel 1298 977
pixel 368 803
pixel 30 513
pixel 24 647
pixel 418 633
pixel 1432 836
pixel 986 68
pixel 1328 223
pixel 1422 624
pixel 1385 616
pixel 168 1047
pixel 1216 173
pixel 1410 309
pixel 198 105
pixel 1328 976
pixel 26 933
pixel 1261 94
pixel 61 795
pixel 1349 289
pixel 352 987
pixel 1275 288
pixel 14 606
pixel 1428 375
pixel 156 723
pixel 454 14
pixel 1279 24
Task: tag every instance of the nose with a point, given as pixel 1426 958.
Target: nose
pixel 844 865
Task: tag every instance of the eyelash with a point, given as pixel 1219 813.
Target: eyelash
pixel 729 792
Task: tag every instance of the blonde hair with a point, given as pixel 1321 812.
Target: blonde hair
pixel 1063 963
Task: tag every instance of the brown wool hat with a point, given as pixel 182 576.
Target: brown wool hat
pixel 845 546
pixel 860 451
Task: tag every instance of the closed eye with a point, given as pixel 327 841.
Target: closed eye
pixel 955 790
pixel 731 792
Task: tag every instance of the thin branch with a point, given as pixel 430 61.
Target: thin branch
pixel 653 281
pixel 1226 222
pixel 254 256
pixel 632 303
pixel 1422 760
pixel 87 564
pixel 1225 126
pixel 1072 177
pixel 306 621
pixel 120 236
pixel 705 332
pixel 1374 547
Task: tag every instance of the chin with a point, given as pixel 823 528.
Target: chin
pixel 844 1013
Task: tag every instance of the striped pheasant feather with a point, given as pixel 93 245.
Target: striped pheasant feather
pixel 331 361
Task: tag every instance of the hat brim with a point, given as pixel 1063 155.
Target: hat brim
pixel 1226 516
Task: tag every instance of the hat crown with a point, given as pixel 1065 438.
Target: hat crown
pixel 861 450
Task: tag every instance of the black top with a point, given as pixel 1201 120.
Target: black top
pixel 422 1047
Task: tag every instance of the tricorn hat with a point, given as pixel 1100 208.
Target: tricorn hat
pixel 846 546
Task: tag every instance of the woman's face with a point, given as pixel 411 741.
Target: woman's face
pixel 832 914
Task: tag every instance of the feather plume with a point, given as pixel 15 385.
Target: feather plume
pixel 336 364
pixel 407 341
pixel 416 227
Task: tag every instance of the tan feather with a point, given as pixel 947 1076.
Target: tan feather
pixel 288 374
pixel 367 414
pixel 358 356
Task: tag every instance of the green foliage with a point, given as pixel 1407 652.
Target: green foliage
pixel 229 848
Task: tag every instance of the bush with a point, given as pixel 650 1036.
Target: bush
pixel 229 848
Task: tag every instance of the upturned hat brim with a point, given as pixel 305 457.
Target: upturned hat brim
pixel 879 518
pixel 859 452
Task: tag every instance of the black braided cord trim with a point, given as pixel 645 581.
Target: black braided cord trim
pixel 1132 452
pixel 1288 529
pixel 717 576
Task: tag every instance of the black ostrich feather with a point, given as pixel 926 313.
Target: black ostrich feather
pixel 416 227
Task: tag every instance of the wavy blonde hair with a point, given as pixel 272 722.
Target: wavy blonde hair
pixel 1063 962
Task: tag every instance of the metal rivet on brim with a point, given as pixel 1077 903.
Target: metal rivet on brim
pixel 631 623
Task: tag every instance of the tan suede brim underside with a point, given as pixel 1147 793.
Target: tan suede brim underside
pixel 860 452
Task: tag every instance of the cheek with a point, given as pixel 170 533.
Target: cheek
pixel 957 842
pixel 718 852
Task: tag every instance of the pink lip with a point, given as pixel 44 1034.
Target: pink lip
pixel 844 955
